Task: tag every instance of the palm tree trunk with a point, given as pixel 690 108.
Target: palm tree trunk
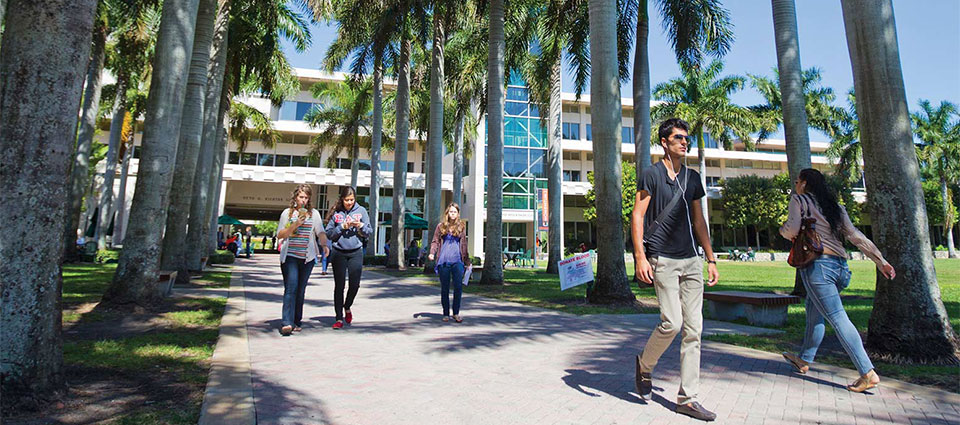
pixel 791 86
pixel 376 144
pixel 110 169
pixel 88 121
pixel 120 206
pixel 610 284
pixel 641 91
pixel 397 259
pixel 908 321
pixel 947 224
pixel 45 56
pixel 458 160
pixel 174 253
pixel 355 161
pixel 555 173
pixel 702 167
pixel 434 191
pixel 493 246
pixel 136 278
pixel 216 176
pixel 198 226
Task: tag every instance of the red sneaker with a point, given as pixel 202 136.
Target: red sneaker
pixel 338 325
pixel 349 317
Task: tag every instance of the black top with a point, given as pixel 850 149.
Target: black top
pixel 675 237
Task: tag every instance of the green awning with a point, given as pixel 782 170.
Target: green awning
pixel 226 219
pixel 410 222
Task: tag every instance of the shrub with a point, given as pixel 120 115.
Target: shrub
pixel 221 257
pixel 475 261
pixel 105 256
pixel 375 260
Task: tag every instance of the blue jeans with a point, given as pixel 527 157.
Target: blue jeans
pixel 323 261
pixel 451 272
pixel 295 271
pixel 824 279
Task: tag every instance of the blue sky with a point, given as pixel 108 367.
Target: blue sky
pixel 928 33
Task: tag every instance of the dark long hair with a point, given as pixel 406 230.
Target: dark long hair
pixel 816 185
pixel 345 191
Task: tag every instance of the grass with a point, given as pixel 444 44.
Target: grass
pixel 536 288
pixel 178 352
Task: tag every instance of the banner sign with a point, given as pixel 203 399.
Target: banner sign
pixel 575 270
pixel 543 210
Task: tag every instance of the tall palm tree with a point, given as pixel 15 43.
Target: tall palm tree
pixel 702 98
pixel 908 321
pixel 493 247
pixel 199 224
pixel 173 254
pixel 940 151
pixel 845 146
pixel 135 280
pixel 819 111
pixel 467 62
pixel 791 84
pixel 346 112
pixel 695 29
pixel 46 52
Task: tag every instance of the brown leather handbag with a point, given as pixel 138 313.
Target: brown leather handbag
pixel 807 245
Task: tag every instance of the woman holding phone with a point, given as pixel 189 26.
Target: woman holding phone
pixel 348 227
pixel 299 230
pixel 449 248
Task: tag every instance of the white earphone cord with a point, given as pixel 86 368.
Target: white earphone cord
pixel 683 185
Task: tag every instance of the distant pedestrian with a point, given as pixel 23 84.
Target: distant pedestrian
pixel 348 227
pixel 829 274
pixel 263 243
pixel 665 220
pixel 274 242
pixel 248 240
pixel 299 229
pixel 449 248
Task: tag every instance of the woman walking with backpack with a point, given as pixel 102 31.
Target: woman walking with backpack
pixel 828 274
pixel 348 227
pixel 299 229
pixel 450 241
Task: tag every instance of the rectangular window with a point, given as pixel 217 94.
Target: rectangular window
pixel 514 161
pixel 136 152
pixel 589 156
pixel 627 114
pixel 713 181
pixel 570 109
pixel 534 110
pixel 709 142
pixel 248 159
pixel 303 108
pixel 713 163
pixel 515 131
pixel 299 161
pixel 386 166
pixel 571 131
pixel 365 164
pixel 589 132
pixel 571 156
pixel 409 167
pixel 538 163
pixel 626 135
pixel 265 160
pixel 515 108
pixel 571 175
pixel 343 163
pixel 288 111
pixel 518 93
pixel 232 157
pixel 283 161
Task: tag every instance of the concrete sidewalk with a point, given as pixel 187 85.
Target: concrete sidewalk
pixel 512 364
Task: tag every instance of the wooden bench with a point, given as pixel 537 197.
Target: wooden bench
pixel 166 279
pixel 760 309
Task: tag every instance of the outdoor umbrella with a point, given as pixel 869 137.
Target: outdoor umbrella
pixel 226 219
pixel 410 222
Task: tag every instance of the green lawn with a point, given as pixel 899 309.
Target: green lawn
pixel 535 287
pixel 177 349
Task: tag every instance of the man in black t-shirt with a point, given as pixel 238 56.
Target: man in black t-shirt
pixel 667 225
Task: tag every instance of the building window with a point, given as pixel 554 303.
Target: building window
pixel 589 132
pixel 571 175
pixel 713 163
pixel 571 156
pixel 571 131
pixel 299 161
pixel 709 142
pixel 232 157
pixel 571 109
pixel 515 108
pixel 626 135
pixel 136 152
pixel 713 181
pixel 518 93
pixel 295 111
pixel 283 161
pixel 575 233
pixel 515 236
pixel 248 159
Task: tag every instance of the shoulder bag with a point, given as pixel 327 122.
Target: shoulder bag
pixel 807 245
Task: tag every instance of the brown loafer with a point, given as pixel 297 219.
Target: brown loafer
pixel 865 382
pixel 696 411
pixel 799 364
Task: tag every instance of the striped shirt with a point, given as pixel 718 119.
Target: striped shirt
pixel 300 239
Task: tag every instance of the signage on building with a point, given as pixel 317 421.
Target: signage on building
pixel 575 270
pixel 260 194
pixel 543 210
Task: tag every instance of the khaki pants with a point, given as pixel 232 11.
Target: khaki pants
pixel 679 285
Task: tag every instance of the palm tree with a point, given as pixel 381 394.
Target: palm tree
pixel 940 151
pixel 845 146
pixel 46 52
pixel 702 98
pixel 819 111
pixel 136 278
pixel 347 111
pixel 173 254
pixel 908 321
pixel 791 83
pixel 611 280
pixel 199 224
pixel 695 29
pixel 493 247
pixel 467 62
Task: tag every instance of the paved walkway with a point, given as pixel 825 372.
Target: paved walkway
pixel 512 364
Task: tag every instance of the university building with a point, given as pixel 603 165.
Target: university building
pixel 257 183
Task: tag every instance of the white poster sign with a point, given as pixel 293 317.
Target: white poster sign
pixel 575 270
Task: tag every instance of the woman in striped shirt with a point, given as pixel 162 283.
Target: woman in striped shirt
pixel 300 227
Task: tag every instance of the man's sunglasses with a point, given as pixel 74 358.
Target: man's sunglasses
pixel 681 137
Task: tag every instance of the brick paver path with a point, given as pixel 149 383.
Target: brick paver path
pixel 512 364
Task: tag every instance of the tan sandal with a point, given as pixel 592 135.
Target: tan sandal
pixel 865 382
pixel 799 364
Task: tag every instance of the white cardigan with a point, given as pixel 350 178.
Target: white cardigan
pixel 312 248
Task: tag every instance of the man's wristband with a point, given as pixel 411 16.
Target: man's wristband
pixel 714 262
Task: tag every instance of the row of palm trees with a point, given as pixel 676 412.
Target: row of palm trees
pixel 207 51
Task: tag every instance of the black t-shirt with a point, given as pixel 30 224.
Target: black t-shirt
pixel 675 238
